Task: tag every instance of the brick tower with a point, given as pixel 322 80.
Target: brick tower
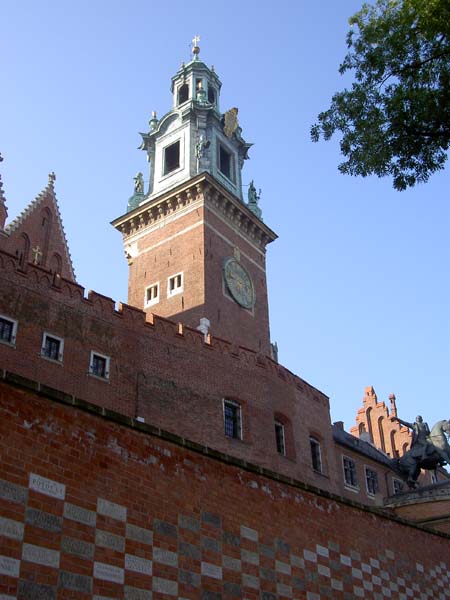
pixel 195 248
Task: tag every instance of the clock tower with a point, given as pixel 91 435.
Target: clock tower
pixel 196 249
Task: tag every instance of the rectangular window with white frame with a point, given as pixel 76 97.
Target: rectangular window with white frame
pixel 151 294
pixel 8 330
pixel 174 285
pixel 99 365
pixel 280 438
pixel 52 347
pixel 232 420
pixel 371 481
pixel 350 477
pixel 316 454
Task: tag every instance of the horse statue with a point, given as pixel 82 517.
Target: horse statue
pixel 429 449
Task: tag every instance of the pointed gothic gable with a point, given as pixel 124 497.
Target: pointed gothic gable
pixel 37 235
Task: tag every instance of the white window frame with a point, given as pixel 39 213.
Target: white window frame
pixel 316 442
pixel 177 290
pixel 107 360
pixel 283 429
pixel 366 469
pixel 46 335
pixel 15 324
pixel 239 408
pixel 350 486
pixel 154 300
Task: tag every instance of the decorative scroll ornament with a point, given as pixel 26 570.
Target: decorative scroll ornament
pixel 230 122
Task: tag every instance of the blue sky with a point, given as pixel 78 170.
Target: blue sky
pixel 359 277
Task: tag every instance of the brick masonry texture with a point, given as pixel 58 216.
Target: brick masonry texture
pixel 181 524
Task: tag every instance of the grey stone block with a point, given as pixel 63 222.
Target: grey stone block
pixel 79 514
pixel 77 547
pixel 211 595
pixel 189 578
pixel 297 561
pixel 164 528
pixel 190 523
pixel 232 589
pixel 268 596
pixel 49 487
pixel 298 584
pixel 138 564
pixel 249 557
pixel 281 546
pixel 165 557
pixel 268 574
pixel 249 534
pixel 12 492
pixel 5 597
pixel 312 596
pixel 230 539
pixel 267 551
pixel 11 529
pixel 284 591
pixel 322 551
pixel 27 590
pixel 211 544
pixel 43 520
pixel 355 555
pixel 75 581
pixel 325 592
pixel 250 581
pixel 228 562
pixel 40 556
pixel 165 586
pixel 9 566
pixel 282 567
pixel 111 509
pixel 139 534
pixel 186 549
pixel 132 593
pixel 108 572
pixel 210 570
pixel 105 539
pixel 324 570
pixel 211 519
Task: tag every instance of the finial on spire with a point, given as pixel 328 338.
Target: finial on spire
pixel 195 46
pixel 51 179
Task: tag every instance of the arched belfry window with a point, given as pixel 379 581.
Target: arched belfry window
pixel 183 93
pixel 211 95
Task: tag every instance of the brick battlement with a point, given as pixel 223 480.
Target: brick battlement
pixel 164 372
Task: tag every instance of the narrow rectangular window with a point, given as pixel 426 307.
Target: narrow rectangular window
pixel 225 162
pixel 99 365
pixel 371 481
pixel 316 457
pixel 8 330
pixel 398 486
pixel 350 472
pixel 171 157
pixel 175 284
pixel 151 294
pixel 52 347
pixel 232 419
pixel 279 436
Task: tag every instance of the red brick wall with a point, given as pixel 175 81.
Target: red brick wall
pixel 84 500
pixel 176 382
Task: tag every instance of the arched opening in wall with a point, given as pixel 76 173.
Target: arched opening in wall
pixel 211 95
pixel 284 436
pixel 56 263
pixel 183 93
pixel 393 445
pixel 369 422
pixel 405 448
pixel 23 250
pixel 381 434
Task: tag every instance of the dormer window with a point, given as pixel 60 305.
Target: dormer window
pixel 171 158
pixel 225 162
pixel 211 95
pixel 183 93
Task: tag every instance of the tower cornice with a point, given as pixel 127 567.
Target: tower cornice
pixel 207 190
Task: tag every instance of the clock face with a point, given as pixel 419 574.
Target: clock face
pixel 239 283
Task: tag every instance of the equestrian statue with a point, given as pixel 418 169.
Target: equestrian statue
pixel 429 449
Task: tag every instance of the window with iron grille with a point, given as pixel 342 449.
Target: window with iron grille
pixel 316 456
pixel 350 472
pixel 99 365
pixel 232 419
pixel 279 436
pixel 52 347
pixel 371 481
pixel 8 329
